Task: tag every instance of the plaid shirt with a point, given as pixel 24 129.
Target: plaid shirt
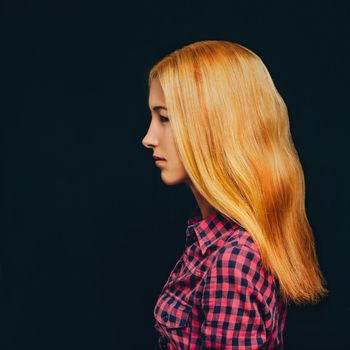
pixel 218 295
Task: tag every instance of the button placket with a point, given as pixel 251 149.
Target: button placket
pixel 163 341
pixel 173 274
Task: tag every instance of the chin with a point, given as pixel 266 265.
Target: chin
pixel 172 180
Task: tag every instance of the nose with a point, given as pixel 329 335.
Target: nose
pixel 148 142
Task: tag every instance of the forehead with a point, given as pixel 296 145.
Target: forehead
pixel 156 95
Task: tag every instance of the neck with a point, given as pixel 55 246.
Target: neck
pixel 205 208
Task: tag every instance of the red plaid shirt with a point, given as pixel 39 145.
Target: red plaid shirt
pixel 218 295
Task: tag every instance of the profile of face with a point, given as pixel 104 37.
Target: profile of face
pixel 159 137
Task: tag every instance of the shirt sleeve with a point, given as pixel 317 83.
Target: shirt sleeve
pixel 234 301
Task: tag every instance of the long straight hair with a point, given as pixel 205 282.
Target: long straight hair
pixel 231 129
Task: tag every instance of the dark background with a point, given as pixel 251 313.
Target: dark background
pixel 90 232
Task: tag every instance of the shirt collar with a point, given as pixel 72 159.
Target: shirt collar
pixel 208 230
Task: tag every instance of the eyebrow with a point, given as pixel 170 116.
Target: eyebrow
pixel 157 108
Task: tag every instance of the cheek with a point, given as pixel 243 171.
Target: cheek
pixel 179 165
pixel 172 146
pixel 173 150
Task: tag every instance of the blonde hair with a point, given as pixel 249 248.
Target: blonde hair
pixel 231 129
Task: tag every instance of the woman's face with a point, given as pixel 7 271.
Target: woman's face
pixel 159 137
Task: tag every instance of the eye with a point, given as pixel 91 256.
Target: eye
pixel 163 119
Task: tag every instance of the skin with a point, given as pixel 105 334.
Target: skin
pixel 159 137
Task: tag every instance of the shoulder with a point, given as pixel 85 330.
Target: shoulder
pixel 240 261
pixel 239 246
pixel 239 299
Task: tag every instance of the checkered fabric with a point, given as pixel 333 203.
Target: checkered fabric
pixel 219 295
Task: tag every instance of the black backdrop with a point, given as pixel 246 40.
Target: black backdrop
pixel 90 232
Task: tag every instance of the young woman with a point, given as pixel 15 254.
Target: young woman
pixel 221 127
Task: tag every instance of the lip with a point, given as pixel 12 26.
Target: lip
pixel 157 157
pixel 158 162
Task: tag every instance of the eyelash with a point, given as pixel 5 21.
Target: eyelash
pixel 166 119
